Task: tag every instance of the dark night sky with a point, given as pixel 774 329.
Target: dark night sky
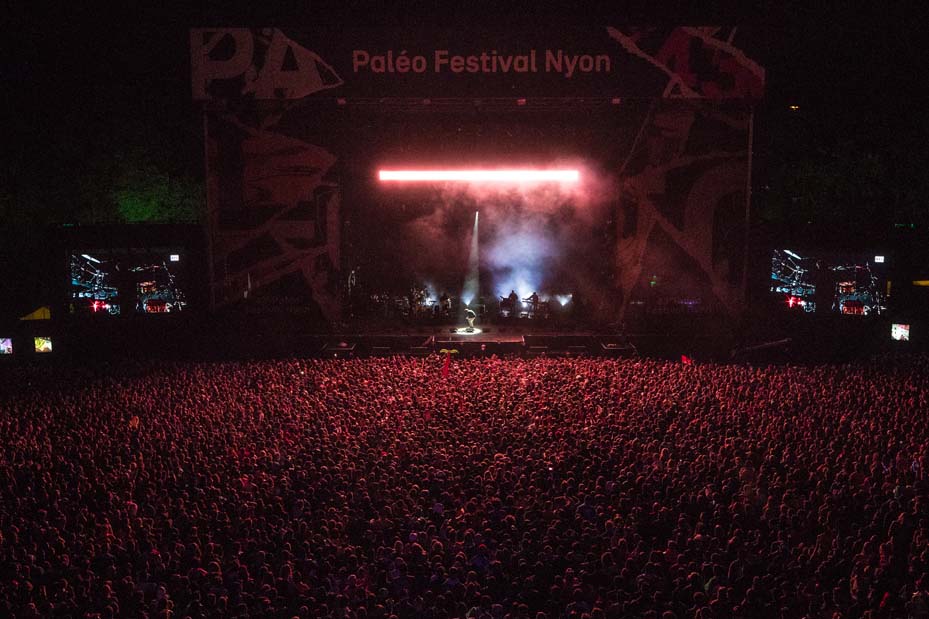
pixel 85 85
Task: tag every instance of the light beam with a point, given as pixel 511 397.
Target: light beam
pixel 512 176
pixel 472 285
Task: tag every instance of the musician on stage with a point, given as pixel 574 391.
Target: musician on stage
pixel 470 316
pixel 532 305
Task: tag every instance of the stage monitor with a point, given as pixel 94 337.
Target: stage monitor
pixel 119 282
pixel 827 283
pixel 43 344
pixel 6 346
pixel 900 332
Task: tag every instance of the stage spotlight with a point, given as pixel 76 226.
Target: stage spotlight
pixel 482 176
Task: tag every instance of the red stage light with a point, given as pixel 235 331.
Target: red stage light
pixel 481 176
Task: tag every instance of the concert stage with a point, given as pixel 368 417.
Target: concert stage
pixel 344 189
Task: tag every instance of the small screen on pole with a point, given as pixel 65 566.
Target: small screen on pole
pixel 900 332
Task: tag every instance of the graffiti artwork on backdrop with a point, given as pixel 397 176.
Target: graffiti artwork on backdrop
pixel 677 182
pixel 698 62
pixel 274 216
pixel 277 237
pixel 266 64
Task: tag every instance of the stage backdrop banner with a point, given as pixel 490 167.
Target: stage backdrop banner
pixel 281 64
pixel 279 162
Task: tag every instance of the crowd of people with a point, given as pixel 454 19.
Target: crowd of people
pixel 504 488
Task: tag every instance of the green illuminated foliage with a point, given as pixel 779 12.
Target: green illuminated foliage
pixel 150 196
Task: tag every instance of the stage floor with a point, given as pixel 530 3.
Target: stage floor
pixel 454 332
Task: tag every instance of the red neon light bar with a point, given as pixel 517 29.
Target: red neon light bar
pixel 481 176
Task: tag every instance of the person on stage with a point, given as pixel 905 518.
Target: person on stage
pixel 470 316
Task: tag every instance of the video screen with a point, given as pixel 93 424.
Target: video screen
pixel 137 282
pixel 43 344
pixel 6 346
pixel 850 285
pixel 900 332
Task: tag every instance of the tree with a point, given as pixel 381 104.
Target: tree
pixel 135 186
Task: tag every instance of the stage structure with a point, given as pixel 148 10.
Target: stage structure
pixel 318 143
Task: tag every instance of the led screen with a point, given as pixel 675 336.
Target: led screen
pixel 900 332
pixel 115 283
pixel 850 285
pixel 43 344
pixel 6 346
